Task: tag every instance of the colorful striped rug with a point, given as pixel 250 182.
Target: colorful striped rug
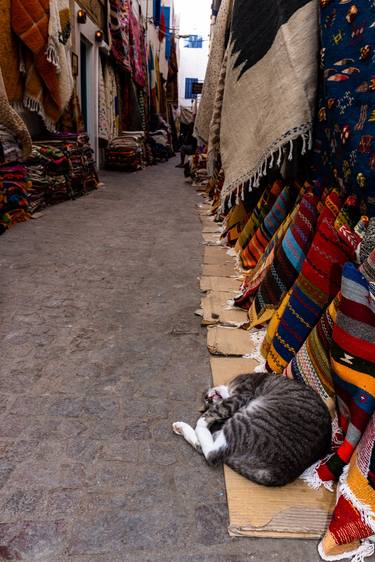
pixel 251 254
pixel 289 257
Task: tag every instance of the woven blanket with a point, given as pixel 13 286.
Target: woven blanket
pixel 289 258
pixel 119 30
pixel 255 277
pixel 234 223
pixel 47 91
pixel 312 365
pixel 368 243
pixel 103 108
pixel 58 48
pixel 317 284
pixel 137 50
pixel 353 519
pixel 251 254
pixel 352 360
pixel 270 87
pixel 9 55
pixel 345 136
pixel 265 203
pixel 218 46
pixel 329 212
pixel 10 119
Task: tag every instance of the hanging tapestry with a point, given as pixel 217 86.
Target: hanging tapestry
pixel 218 46
pixel 270 87
pixel 119 29
pixel 137 51
pixel 345 143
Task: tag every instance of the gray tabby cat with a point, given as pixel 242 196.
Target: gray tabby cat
pixel 266 427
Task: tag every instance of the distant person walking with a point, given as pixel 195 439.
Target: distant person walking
pixel 189 145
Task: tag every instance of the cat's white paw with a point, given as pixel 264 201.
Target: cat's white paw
pixel 178 428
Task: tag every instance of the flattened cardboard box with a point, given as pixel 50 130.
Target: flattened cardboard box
pixel 219 270
pixel 211 238
pixel 294 511
pixel 217 311
pixel 217 255
pixel 228 341
pixel 220 284
pixel 209 226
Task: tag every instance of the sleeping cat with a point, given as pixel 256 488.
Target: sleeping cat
pixel 266 427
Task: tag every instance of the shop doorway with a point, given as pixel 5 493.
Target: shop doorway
pixel 85 48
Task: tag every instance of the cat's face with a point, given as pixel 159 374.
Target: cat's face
pixel 209 397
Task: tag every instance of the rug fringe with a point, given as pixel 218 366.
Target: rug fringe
pixel 365 511
pixel 52 56
pixel 313 480
pixel 266 162
pixel 365 550
pixel 36 107
pixel 256 338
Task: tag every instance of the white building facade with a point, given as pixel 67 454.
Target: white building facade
pixel 194 27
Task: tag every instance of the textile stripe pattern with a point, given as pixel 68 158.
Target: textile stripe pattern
pixel 353 366
pixel 289 258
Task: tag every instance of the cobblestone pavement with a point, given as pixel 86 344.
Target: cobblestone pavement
pixel 100 353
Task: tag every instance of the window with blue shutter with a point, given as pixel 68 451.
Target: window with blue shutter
pixel 189 88
pixel 194 42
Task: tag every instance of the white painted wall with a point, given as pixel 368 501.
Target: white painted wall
pixel 195 19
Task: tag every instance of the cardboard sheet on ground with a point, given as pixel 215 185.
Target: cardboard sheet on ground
pixel 219 270
pixel 228 341
pixel 294 511
pixel 208 221
pixel 217 255
pixel 219 284
pixel 216 310
pixel 211 238
pixel 212 227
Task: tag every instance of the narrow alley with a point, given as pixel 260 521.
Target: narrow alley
pixel 100 353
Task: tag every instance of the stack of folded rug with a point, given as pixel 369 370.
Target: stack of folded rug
pixel 14 198
pixel 126 151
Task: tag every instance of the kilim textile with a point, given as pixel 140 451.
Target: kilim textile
pixel 255 277
pixel 312 364
pixel 289 258
pixel 218 46
pixel 251 254
pixel 137 51
pixel 12 123
pixel 270 87
pixel 234 223
pixel 346 133
pixel 14 199
pixel 354 516
pixel 266 201
pixel 119 29
pixel 47 89
pixel 330 210
pixel 353 366
pixel 317 284
pixel 368 243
